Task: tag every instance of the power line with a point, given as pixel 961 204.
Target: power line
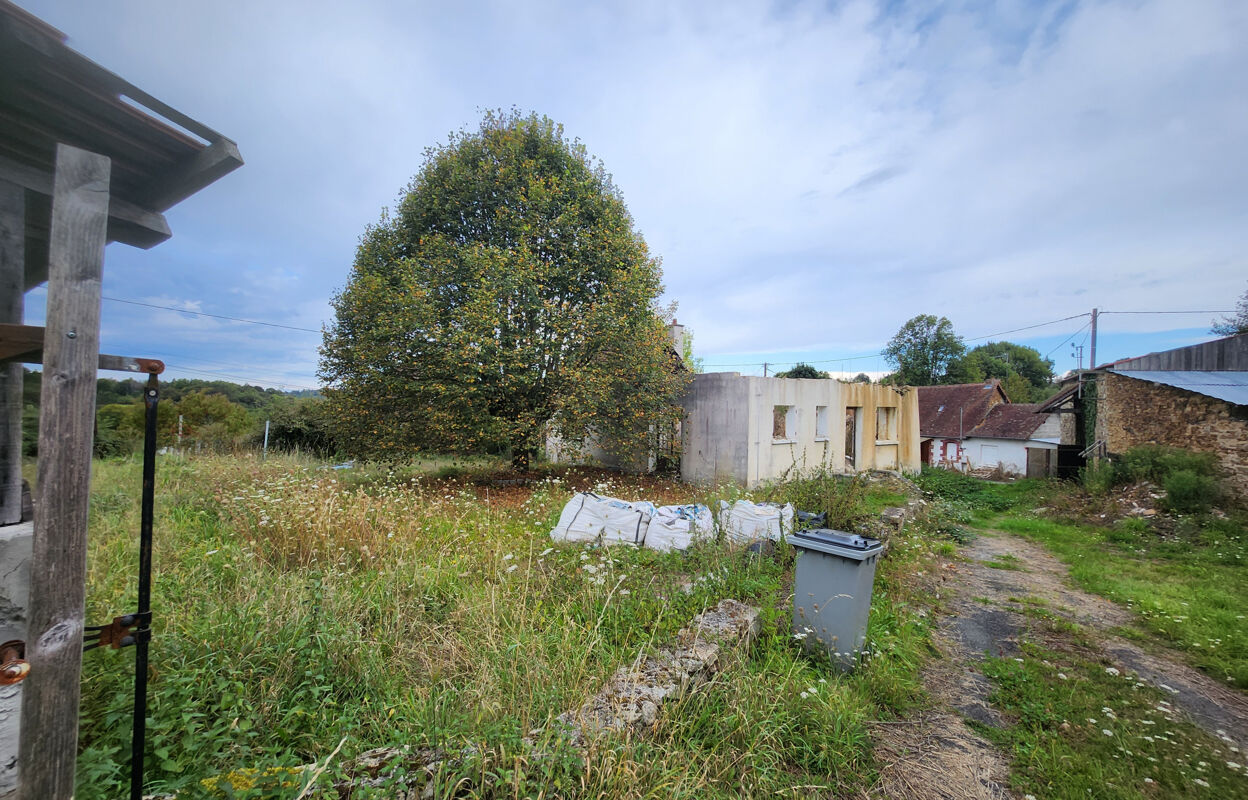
pixel 1068 338
pixel 1223 311
pixel 1030 327
pixel 881 353
pixel 239 377
pixel 214 316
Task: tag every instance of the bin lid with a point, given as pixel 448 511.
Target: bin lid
pixel 849 545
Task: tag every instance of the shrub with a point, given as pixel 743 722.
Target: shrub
pixel 842 498
pixel 1189 492
pixel 1155 463
pixel 976 494
pixel 1100 477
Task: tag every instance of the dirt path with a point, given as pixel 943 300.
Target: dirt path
pixel 978 627
pixel 936 756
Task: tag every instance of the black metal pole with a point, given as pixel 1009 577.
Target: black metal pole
pixel 143 631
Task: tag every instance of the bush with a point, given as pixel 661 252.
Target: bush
pixel 974 493
pixel 842 498
pixel 1099 477
pixel 1155 463
pixel 1189 492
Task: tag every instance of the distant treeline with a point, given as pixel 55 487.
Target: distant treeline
pixel 217 416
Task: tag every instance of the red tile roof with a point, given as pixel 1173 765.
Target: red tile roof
pixel 1010 421
pixel 950 412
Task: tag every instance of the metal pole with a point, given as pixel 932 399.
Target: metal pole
pixel 143 632
pixel 265 452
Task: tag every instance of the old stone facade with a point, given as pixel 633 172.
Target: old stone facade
pixel 1133 412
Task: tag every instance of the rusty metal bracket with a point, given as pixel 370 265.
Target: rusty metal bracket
pixel 123 631
pixel 13 665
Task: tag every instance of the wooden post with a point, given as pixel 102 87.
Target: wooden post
pixel 12 293
pixel 66 420
pixel 15 540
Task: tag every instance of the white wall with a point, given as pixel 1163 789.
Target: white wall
pixel 1011 454
pixel 728 429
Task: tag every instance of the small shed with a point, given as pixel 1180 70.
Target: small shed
pixel 86 158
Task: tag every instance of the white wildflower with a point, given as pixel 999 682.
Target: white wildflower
pixel 1107 732
pixel 508 557
pixel 512 568
pixel 1201 782
pixel 1062 675
pixel 1112 671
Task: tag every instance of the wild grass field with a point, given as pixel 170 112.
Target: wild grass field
pixel 302 612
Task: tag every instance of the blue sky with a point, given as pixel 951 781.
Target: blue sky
pixel 812 174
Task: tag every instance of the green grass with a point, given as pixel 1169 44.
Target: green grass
pixel 1190 593
pixel 1082 728
pixel 298 607
pixel 1005 561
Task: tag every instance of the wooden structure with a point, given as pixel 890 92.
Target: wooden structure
pixel 85 159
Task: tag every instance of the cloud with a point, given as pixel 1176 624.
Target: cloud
pixel 812 174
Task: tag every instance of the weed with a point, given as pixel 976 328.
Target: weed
pixel 297 605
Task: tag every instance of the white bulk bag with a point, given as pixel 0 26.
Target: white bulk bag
pixel 627 523
pixel 581 520
pixel 745 521
pixel 588 517
pixel 676 527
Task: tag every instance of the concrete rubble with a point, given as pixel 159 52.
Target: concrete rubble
pixel 631 698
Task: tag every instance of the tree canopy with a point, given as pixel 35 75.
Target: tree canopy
pixel 1236 323
pixel 1024 373
pixel 922 350
pixel 801 370
pixel 507 296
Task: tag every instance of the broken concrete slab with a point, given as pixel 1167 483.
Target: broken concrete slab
pixel 632 697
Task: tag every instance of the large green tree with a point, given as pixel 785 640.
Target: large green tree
pixel 508 296
pixel 922 350
pixel 1025 374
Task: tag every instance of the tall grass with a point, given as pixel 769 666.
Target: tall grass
pixel 296 606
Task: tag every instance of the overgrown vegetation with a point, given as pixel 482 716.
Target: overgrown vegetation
pixel 1190 479
pixel 298 606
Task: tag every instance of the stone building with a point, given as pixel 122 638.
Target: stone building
pixel 1194 398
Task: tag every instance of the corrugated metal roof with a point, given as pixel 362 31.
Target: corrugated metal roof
pixel 1231 386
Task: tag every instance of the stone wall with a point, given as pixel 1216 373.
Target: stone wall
pixel 1132 412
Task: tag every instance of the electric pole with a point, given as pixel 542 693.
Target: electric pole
pixel 764 369
pixel 1092 354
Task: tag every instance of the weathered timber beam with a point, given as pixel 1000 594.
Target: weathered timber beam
pixel 51 694
pixel 23 344
pixel 127 222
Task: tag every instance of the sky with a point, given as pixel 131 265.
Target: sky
pixel 811 174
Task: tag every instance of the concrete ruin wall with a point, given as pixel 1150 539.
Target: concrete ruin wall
pixel 729 435
pixel 1132 412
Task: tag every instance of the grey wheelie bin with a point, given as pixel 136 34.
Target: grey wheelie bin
pixel 832 591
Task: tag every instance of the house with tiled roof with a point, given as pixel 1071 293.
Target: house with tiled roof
pixel 974 425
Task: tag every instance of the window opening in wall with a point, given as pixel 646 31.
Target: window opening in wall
pixel 886 424
pixel 821 422
pixel 853 416
pixel 783 422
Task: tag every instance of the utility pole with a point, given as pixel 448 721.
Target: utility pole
pixel 764 369
pixel 265 452
pixel 1092 358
